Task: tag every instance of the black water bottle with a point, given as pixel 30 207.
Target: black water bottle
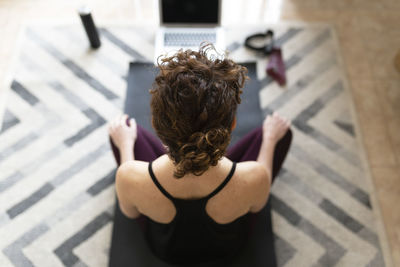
pixel 90 27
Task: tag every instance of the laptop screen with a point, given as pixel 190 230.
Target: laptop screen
pixel 190 11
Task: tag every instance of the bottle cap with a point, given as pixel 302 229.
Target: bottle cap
pixel 84 10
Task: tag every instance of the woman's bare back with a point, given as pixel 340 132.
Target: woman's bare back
pixel 247 190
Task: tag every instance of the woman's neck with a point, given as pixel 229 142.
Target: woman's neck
pixel 167 164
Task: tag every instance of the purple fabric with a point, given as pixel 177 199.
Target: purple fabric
pixel 248 147
pixel 148 148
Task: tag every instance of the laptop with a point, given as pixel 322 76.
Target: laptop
pixel 185 24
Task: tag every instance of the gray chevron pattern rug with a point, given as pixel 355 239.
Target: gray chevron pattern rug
pixel 57 170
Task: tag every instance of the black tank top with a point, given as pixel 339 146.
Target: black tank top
pixel 193 236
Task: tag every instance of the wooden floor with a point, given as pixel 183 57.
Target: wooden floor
pixel 369 36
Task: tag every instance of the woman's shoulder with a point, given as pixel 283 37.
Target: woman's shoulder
pixel 133 178
pixel 255 182
pixel 132 168
pixel 129 176
pixel 251 167
pixel 136 171
pixel 252 173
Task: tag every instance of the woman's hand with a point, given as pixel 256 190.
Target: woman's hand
pixel 275 127
pixel 122 135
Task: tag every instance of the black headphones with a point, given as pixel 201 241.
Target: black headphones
pixel 267 37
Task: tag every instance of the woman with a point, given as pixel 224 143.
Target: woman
pixel 193 194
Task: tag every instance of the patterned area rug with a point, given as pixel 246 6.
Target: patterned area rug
pixel 57 170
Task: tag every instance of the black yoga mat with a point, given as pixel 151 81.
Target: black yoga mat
pixel 128 245
pixel 137 103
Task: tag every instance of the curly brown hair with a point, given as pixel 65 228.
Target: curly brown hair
pixel 194 101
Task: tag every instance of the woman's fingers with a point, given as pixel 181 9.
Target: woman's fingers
pixel 112 124
pixel 132 123
pixel 276 119
pixel 121 120
pixel 117 121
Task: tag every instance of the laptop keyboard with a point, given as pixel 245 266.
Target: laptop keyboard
pixel 188 39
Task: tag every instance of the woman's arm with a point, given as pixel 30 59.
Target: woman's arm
pixel 274 128
pixel 126 152
pixel 124 137
pixel 266 154
pixel 125 188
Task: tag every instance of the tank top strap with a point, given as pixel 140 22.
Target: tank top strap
pixel 222 185
pixel 213 193
pixel 153 177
